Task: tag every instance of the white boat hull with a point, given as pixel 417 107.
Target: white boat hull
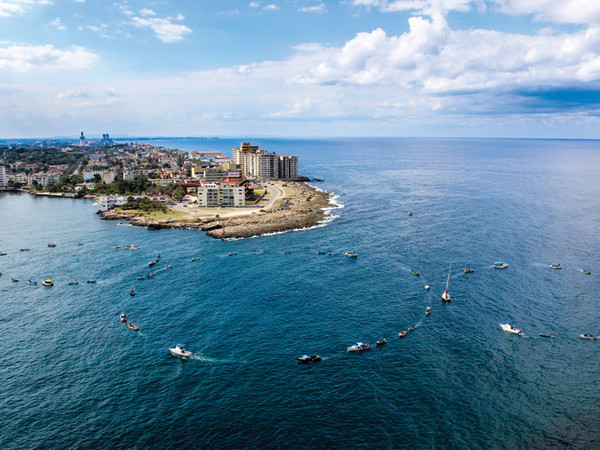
pixel 510 329
pixel 180 353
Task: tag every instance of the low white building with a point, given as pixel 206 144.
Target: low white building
pixel 109 202
pixel 214 195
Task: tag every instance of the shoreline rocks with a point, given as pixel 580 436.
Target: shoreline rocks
pixel 301 207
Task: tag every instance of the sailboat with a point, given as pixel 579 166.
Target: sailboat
pixel 445 296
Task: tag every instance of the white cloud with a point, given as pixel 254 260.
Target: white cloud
pixel 23 58
pixel 254 5
pixel 59 26
pixel 165 29
pixel 271 7
pixel 16 7
pixel 319 9
pixel 563 11
pixel 147 12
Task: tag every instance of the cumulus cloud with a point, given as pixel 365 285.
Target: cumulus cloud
pixel 165 29
pixel 563 11
pixel 23 58
pixel 268 7
pixel 16 7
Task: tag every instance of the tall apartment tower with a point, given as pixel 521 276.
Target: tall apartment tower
pixel 262 164
pixel 82 139
pixel 3 181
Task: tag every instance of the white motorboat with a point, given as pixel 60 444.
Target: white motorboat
pixel 180 351
pixel 123 318
pixel 555 266
pixel 359 347
pixel 426 287
pixel 428 310
pixel 132 247
pixel 48 282
pixel 500 265
pixel 587 336
pixel 509 328
pixel 351 254
pixel 52 244
pixel 445 296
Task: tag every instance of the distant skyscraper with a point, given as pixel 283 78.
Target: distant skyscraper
pixel 2 176
pixel 82 139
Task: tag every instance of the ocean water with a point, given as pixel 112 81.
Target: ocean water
pixel 73 376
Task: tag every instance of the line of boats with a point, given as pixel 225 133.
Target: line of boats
pixel 510 328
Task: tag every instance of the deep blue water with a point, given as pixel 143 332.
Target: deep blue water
pixel 73 377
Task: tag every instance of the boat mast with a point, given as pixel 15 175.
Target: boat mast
pixel 448 282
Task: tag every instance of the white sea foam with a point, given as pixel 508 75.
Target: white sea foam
pixel 333 199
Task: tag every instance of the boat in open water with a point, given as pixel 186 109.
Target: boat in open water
pixel 555 266
pixel 351 254
pixel 509 328
pixel 180 351
pixel 48 282
pixel 587 336
pixel 445 296
pixel 308 359
pixel 500 265
pixel 133 327
pixel 359 347
pixel 428 310
pixel 382 341
pixel 403 333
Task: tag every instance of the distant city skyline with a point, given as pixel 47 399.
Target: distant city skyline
pixel 432 68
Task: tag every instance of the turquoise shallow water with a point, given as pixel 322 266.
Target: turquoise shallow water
pixel 72 376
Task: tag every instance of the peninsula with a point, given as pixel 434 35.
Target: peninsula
pixel 255 192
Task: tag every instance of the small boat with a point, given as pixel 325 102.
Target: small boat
pixel 308 359
pixel 415 273
pixel 555 266
pixel 79 243
pixel 319 252
pixel 52 244
pixel 140 278
pixel 131 247
pixel 32 283
pixel 410 213
pixel 169 266
pixel 231 254
pixel 180 351
pixel 587 272
pixel 382 341
pixel 151 263
pixel 359 347
pixel 426 287
pixel 91 281
pixel 351 254
pixel 25 249
pixel 48 282
pixel 73 283
pixel 468 271
pixel 132 327
pixel 403 333
pixel 194 259
pixel 500 265
pixel 287 252
pixel 123 318
pixel 150 275
pixel 132 292
pixel 445 296
pixel 15 280
pixel 428 311
pixel 508 327
pixel 545 335
pixel 412 328
pixel 3 253
pixel 587 336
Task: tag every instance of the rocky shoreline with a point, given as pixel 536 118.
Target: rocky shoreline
pixel 301 207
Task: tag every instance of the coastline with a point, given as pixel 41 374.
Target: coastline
pixel 297 206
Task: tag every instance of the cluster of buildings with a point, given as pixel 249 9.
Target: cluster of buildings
pixel 213 179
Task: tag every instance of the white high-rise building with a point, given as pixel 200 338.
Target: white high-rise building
pixel 3 180
pixel 262 164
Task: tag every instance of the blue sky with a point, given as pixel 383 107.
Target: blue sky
pixel 513 68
